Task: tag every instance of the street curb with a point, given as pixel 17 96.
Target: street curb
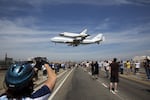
pixel 135 80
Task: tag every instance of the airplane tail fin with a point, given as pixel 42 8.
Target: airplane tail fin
pixel 84 31
pixel 99 38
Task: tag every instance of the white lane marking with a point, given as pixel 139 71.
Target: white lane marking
pixel 113 92
pixel 119 96
pixel 61 73
pixel 89 73
pixel 57 89
pixel 104 85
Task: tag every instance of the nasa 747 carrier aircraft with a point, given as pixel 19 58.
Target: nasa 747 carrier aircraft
pixel 74 39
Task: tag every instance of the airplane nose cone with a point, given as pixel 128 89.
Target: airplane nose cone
pixel 52 39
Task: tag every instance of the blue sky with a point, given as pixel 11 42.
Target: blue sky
pixel 26 27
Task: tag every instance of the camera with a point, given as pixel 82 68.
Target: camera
pixel 40 61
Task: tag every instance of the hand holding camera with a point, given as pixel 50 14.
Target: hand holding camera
pixel 39 62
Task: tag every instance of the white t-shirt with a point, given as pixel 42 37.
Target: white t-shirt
pixel 137 65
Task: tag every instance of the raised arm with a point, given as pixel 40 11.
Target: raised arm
pixel 50 82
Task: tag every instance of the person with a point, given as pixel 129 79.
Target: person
pixel 128 65
pixel 137 67
pixel 87 66
pixel 19 83
pixel 92 69
pixel 147 67
pixel 63 66
pixel 121 67
pixel 114 76
pixel 106 65
pixel 96 71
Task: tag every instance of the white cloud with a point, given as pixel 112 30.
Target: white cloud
pixel 105 24
pixel 17 34
pixel 19 26
pixel 125 37
pixel 89 2
pixel 135 34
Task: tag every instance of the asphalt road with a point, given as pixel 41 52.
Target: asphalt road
pixel 79 85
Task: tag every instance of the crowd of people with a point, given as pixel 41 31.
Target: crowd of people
pixel 113 68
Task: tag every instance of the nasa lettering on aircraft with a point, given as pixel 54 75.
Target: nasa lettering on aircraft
pixel 75 39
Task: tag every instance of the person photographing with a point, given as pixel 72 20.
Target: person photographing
pixel 19 83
